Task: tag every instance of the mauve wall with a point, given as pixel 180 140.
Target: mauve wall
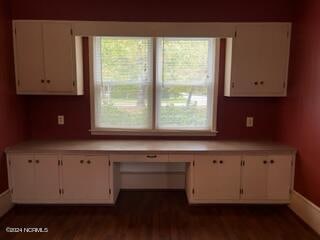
pixel 43 111
pixel 232 112
pixel 299 113
pixel 146 10
pixel 12 115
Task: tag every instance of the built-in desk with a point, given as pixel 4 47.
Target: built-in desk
pixel 89 171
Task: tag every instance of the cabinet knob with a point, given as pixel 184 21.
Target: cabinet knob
pixel 265 162
pixel 48 81
pixel 256 83
pixel 29 161
pixel 88 161
pixel 37 161
pixel 214 161
pixel 81 161
pixel 221 162
pixel 272 161
pixel 262 82
pixel 42 81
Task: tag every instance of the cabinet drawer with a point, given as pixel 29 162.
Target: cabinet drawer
pixel 181 157
pixel 148 157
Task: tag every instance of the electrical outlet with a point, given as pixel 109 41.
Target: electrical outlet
pixel 61 120
pixel 249 122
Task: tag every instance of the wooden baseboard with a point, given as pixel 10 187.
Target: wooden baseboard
pixel 5 202
pixel 306 210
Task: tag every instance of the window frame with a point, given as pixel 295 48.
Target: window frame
pixel 154 131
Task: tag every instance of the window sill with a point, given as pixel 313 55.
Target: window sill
pixel 172 133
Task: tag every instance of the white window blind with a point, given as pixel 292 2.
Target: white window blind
pixel 185 83
pixel 153 84
pixel 123 82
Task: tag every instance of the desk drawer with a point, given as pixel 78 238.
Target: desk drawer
pixel 181 157
pixel 148 157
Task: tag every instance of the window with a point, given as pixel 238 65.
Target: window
pixel 152 85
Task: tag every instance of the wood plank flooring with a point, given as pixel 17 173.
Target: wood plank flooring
pixel 156 215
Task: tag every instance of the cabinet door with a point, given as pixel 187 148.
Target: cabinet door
pixel 254 177
pixel 74 177
pixel 274 58
pixel 22 177
pixel 279 177
pixel 97 177
pixel 29 57
pixel 245 66
pixel 205 177
pixel 217 177
pixel 47 177
pixel 229 176
pixel 59 57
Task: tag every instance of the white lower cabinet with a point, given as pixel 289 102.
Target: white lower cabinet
pixel 210 178
pixel 217 177
pixel 240 178
pixel 34 178
pixel 85 178
pixel 267 177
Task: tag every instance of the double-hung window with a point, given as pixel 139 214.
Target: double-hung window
pixel 153 85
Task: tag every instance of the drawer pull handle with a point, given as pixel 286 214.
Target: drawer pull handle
pixel 221 162
pixel 88 161
pixel 151 156
pixel 214 161
pixel 81 161
pixel 29 161
pixel 265 162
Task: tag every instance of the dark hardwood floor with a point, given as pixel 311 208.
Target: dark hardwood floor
pixel 159 215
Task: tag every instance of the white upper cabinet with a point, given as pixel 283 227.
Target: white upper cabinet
pixel 48 58
pixel 257 60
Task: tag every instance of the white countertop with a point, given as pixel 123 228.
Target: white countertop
pixel 147 146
